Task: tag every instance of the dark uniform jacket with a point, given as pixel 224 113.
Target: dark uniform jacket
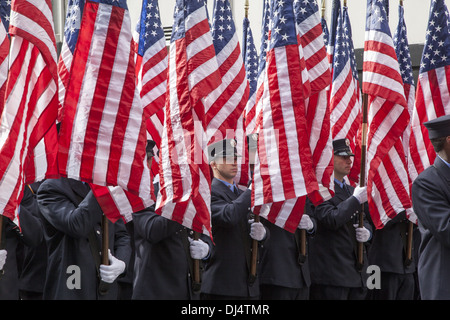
pixel 34 250
pixel 431 202
pixel 281 261
pixel 71 215
pixel 31 235
pixel 388 247
pixel 333 250
pixel 162 263
pixel 228 269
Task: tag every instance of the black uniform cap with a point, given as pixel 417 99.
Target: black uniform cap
pixel 439 127
pixel 341 147
pixel 222 149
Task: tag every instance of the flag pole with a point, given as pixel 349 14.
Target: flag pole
pixel 409 241
pixel 196 281
pixel 323 8
pixel 254 259
pixel 362 179
pixel 103 286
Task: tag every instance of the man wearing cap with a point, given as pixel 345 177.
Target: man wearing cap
pixel 431 203
pixel 335 274
pixel 226 274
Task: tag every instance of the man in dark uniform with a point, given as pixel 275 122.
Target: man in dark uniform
pixel 72 228
pixel 34 250
pixel 164 258
pixel 29 234
pixel 333 251
pixel 431 202
pixel 285 273
pixel 227 272
pixel 126 282
pixel 164 253
pixel 388 250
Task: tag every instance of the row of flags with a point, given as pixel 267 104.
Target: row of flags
pixel 87 114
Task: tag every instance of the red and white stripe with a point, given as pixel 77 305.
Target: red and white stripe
pixel 185 185
pixel 31 103
pixel 388 117
pixel 283 169
pixel 103 135
pixel 4 53
pixel 317 108
pixel 432 101
pixel 225 104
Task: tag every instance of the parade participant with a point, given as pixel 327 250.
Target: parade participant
pixel 388 250
pixel 72 229
pixel 33 249
pixel 431 202
pixel 164 258
pixel 14 238
pixel 126 282
pixel 285 271
pixel 333 251
pixel 227 271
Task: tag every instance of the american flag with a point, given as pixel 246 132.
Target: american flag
pixel 185 185
pixel 151 62
pixel 317 108
pixel 253 110
pixel 388 117
pixel 117 203
pixel 283 169
pixel 345 97
pixel 103 136
pixel 71 31
pixel 31 103
pixel 225 104
pixel 404 59
pixel 250 56
pixel 432 98
pixel 311 38
pixel 335 13
pixel 151 74
pixel 345 104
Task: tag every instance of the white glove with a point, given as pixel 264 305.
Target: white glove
pixel 198 248
pixel 360 193
pixel 116 267
pixel 3 254
pixel 306 223
pixel 362 234
pixel 257 230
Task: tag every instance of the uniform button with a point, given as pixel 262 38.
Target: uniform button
pixel 98 231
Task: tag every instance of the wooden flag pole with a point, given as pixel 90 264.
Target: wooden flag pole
pixel 254 258
pixel 409 241
pixel 323 8
pixel 246 6
pixel 104 286
pixel 197 280
pixel 362 179
pixel 105 241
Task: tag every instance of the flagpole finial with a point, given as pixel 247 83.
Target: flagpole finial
pixel 401 3
pixel 345 3
pixel 247 5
